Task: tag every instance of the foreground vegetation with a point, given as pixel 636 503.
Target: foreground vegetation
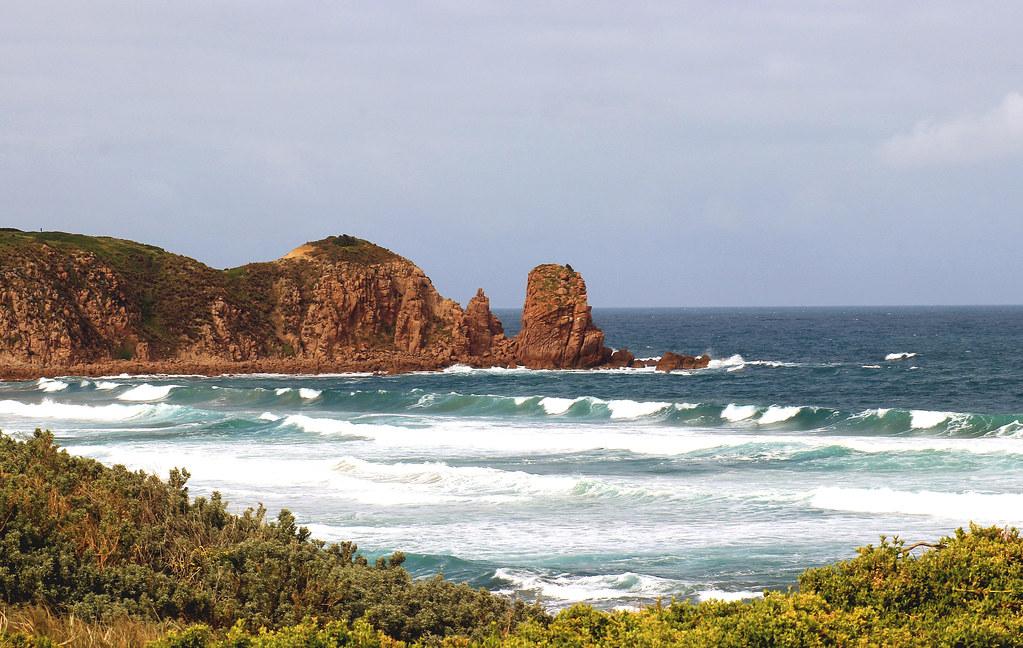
pixel 98 556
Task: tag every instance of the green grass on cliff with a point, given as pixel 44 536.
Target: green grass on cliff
pixel 352 250
pixel 102 556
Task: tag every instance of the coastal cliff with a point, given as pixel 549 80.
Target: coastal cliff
pixel 81 304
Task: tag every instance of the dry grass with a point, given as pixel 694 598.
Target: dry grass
pixel 39 621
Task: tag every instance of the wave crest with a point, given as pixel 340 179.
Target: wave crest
pixel 147 392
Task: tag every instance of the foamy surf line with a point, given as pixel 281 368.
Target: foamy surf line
pixel 380 484
pixel 984 508
pixel 470 436
pixel 629 589
pixel 48 409
pixel 564 589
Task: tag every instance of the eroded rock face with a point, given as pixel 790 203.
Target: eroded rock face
pixel 621 359
pixel 483 331
pixel 58 308
pixel 557 327
pixel 326 302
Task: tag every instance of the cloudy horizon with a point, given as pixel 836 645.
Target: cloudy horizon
pixel 693 154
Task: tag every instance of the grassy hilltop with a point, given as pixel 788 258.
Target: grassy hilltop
pixel 94 556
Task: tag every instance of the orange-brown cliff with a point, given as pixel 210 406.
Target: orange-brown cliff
pixel 80 304
pixel 68 300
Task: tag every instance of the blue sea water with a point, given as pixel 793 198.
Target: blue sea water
pixel 813 432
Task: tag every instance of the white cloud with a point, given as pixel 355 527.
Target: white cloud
pixel 997 133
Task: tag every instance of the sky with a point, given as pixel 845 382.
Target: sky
pixel 676 153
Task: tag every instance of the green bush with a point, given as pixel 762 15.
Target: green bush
pixel 104 542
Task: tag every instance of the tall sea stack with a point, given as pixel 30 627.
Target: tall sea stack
pixel 557 327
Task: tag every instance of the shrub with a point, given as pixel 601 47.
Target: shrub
pixel 104 543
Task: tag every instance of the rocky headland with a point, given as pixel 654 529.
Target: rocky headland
pixel 84 305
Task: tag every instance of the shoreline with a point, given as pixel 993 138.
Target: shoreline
pixel 386 364
pixel 389 365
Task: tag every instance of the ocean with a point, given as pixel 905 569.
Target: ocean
pixel 814 431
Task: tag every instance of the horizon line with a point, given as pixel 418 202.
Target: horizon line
pixel 793 306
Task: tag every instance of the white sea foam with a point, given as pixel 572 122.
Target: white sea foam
pixel 561 589
pixel 905 355
pixel 778 363
pixel 425 400
pixel 879 412
pixel 630 409
pixel 269 416
pixel 962 507
pixel 1013 429
pixel 147 392
pixel 102 413
pixel 557 406
pixel 51 385
pixel 777 414
pixel 475 437
pixel 106 385
pixel 463 482
pixel 736 413
pixel 871 366
pixel 925 420
pixel 522 400
pixel 466 369
pixel 731 361
pixel 323 425
pixel 280 391
pixel 309 394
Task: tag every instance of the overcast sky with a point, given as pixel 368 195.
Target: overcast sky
pixel 677 153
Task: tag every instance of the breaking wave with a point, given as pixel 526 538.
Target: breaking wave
pixel 147 392
pixel 48 409
pixel 51 385
pixel 904 355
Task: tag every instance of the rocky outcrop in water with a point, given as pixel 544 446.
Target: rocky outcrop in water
pixel 557 327
pixel 673 362
pixel 483 331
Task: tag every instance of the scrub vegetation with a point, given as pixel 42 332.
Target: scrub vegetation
pixel 92 555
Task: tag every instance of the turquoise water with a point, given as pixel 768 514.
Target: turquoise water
pixel 814 431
